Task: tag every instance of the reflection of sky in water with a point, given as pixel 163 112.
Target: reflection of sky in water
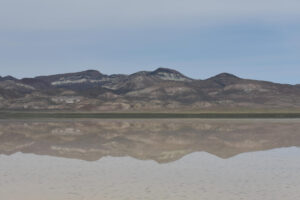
pixel 268 175
pixel 150 159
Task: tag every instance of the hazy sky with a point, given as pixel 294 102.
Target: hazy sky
pixel 257 39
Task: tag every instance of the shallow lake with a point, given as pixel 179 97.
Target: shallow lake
pixel 188 159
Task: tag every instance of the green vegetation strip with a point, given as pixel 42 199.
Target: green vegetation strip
pixel 24 115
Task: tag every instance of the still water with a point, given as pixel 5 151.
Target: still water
pixel 188 159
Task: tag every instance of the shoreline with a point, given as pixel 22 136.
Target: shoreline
pixel 221 115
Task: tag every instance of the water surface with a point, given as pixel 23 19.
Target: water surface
pixel 150 159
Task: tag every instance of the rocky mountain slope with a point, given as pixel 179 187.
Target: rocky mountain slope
pixel 160 90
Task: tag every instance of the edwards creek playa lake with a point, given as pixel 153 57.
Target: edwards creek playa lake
pixel 116 159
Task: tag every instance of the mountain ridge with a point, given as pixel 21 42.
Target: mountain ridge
pixel 162 89
pixel 90 71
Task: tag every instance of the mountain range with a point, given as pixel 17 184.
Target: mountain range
pixel 161 90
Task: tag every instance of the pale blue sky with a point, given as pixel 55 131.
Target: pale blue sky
pixel 257 39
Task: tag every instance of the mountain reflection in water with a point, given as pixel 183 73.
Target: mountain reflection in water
pixel 162 140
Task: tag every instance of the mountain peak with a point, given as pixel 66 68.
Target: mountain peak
pixel 8 78
pixel 83 77
pixel 91 72
pixel 226 76
pixel 224 79
pixel 167 70
pixel 169 74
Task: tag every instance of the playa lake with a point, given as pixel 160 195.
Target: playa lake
pixel 135 159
